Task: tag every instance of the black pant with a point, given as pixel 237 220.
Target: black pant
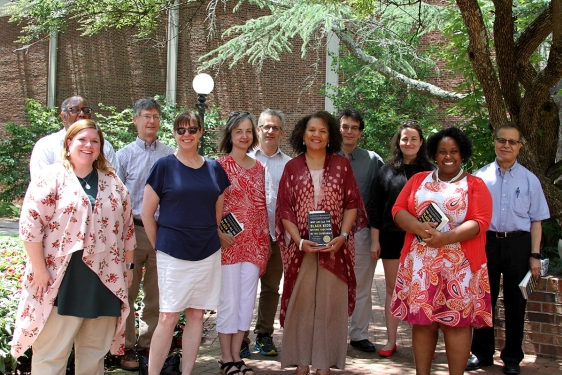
pixel 510 257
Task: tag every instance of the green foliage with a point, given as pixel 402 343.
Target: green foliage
pixel 8 209
pixel 15 149
pixel 12 263
pixel 552 233
pixel 382 102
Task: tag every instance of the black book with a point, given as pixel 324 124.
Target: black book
pixel 320 228
pixel 230 225
pixel 433 214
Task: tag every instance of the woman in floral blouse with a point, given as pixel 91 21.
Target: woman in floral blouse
pixel 244 258
pixel 77 228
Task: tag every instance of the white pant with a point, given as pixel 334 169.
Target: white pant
pixel 239 286
pixel 364 273
pixel 92 339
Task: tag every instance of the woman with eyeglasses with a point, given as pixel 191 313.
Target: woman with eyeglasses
pixel 189 189
pixel 408 158
pixel 319 280
pixel 244 257
pixel 442 282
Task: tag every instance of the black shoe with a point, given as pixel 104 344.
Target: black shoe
pixel 511 369
pixel 363 345
pixel 244 349
pixel 265 345
pixel 474 363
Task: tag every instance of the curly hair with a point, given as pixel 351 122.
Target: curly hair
pixel 397 160
pixel 334 142
pixel 101 163
pixel 235 119
pixel 465 145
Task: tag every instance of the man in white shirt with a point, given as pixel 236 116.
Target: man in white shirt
pixel 47 150
pixel 136 160
pixel 270 131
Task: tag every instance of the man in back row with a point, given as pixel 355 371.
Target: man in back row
pixel 365 165
pixel 47 149
pixel 136 160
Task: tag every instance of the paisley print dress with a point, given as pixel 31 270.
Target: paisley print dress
pixel 438 284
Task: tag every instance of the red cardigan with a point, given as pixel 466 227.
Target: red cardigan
pixel 479 209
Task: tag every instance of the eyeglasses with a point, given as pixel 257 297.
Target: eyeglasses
pixel 190 130
pixel 148 118
pixel 347 127
pixel 503 141
pixel 236 114
pixel 267 128
pixel 76 110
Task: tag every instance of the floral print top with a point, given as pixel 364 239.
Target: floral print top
pixel 57 212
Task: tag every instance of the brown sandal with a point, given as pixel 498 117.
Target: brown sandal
pixel 302 370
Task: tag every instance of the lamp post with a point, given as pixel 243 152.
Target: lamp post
pixel 203 84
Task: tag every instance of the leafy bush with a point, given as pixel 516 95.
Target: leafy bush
pixel 12 264
pixel 552 232
pixel 118 128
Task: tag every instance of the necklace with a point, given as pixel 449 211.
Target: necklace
pixel 451 180
pixel 85 180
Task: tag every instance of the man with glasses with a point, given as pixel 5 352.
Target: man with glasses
pixel 270 131
pixel 366 165
pixel 47 149
pixel 512 246
pixel 136 160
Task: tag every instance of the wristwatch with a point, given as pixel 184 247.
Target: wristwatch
pixel 345 235
pixel 129 266
pixel 535 255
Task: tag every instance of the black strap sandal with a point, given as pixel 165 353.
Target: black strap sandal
pixel 240 365
pixel 229 368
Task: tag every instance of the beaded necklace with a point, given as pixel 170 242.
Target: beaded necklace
pixel 451 180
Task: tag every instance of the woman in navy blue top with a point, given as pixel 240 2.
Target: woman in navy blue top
pixel 190 192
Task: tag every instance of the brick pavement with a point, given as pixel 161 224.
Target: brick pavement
pixel 358 363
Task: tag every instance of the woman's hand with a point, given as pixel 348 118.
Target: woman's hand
pixel 435 238
pixel 129 278
pixel 375 250
pixel 334 245
pixel 226 239
pixel 41 281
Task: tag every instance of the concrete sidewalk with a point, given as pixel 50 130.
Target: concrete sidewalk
pixel 358 362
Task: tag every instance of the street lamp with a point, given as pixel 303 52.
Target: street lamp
pixel 203 84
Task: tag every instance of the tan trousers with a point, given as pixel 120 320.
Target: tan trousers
pixel 145 256
pixel 91 338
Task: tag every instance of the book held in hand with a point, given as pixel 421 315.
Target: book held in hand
pixel 320 228
pixel 528 284
pixel 230 225
pixel 433 214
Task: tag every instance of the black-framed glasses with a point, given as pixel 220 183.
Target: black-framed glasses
pixel 190 130
pixel 76 110
pixel 503 141
pixel 237 114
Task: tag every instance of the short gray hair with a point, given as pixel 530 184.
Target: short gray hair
pixel 272 112
pixel 146 103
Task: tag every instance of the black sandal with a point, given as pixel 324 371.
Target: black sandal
pixel 241 364
pixel 229 368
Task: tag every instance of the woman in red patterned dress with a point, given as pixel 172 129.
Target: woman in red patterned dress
pixel 319 283
pixel 244 257
pixel 442 282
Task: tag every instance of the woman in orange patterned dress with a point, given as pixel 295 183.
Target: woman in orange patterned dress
pixel 244 258
pixel 442 281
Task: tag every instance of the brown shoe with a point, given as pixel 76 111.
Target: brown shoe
pixel 129 361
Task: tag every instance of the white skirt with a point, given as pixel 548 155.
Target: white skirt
pixel 184 284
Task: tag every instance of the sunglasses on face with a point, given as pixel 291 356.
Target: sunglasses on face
pixel 190 130
pixel 76 110
pixel 503 141
pixel 236 114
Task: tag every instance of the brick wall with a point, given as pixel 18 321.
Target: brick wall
pixel 543 323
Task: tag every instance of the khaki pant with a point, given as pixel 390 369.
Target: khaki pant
pixel 145 256
pixel 92 339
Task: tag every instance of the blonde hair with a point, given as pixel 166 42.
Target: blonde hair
pixel 101 163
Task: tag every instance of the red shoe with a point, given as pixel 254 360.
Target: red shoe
pixel 387 353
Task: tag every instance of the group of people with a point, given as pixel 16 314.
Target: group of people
pixel 94 220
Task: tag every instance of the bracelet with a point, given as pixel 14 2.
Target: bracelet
pixel 129 266
pixel 300 244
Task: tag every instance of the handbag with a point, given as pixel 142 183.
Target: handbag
pixel 171 365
